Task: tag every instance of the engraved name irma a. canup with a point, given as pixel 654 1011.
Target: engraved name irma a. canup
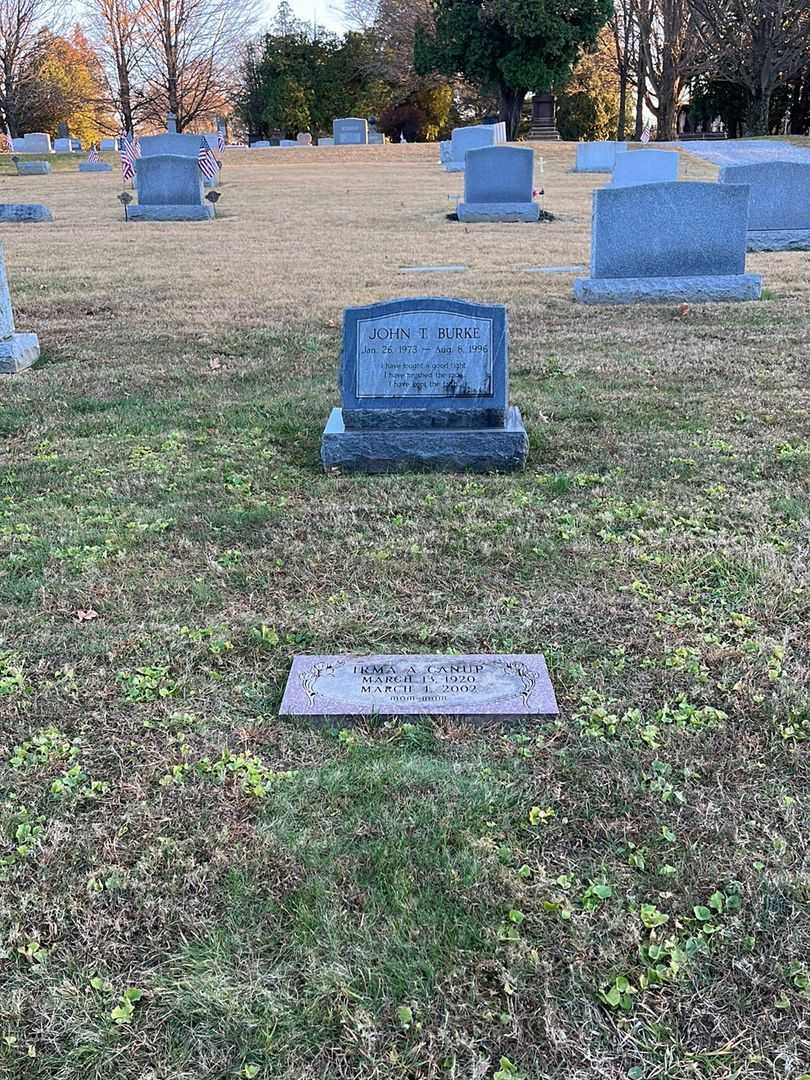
pixel 419 683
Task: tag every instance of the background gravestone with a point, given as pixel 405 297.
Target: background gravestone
pixel 677 241
pixel 424 384
pixel 109 144
pixel 24 212
pixel 597 156
pixel 779 215
pixel 170 188
pixel 350 131
pixel 498 185
pixel 95 166
pixel 34 142
pixel 179 145
pixel 645 167
pixel 17 351
pixel 471 138
pixel 33 168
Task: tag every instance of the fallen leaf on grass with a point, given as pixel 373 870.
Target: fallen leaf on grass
pixel 86 616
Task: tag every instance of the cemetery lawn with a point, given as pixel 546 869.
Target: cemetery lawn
pixel 191 888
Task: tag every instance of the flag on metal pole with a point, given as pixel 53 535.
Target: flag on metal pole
pixel 206 159
pixel 93 157
pixel 130 152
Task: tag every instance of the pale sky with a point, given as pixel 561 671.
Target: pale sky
pixel 325 11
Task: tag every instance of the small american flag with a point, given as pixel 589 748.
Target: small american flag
pixel 220 141
pixel 646 134
pixel 93 156
pixel 209 166
pixel 130 152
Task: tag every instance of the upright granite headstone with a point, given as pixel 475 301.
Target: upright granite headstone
pixel 303 138
pixel 17 351
pixel 63 146
pixel 424 384
pixel 350 131
pixel 109 144
pixel 170 188
pixel 498 185
pixel 669 242
pixel 779 217
pixel 472 138
pixel 481 687
pixel 34 142
pixel 645 167
pixel 597 156
pixel 326 140
pixel 179 145
pixel 17 212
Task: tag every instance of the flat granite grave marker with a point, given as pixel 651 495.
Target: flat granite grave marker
pixel 682 241
pixel 424 384
pixel 478 687
pixel 350 131
pixel 95 166
pixel 170 188
pixel 17 351
pixel 779 216
pixel 33 168
pixel 498 185
pixel 645 167
pixel 597 156
pixel 24 212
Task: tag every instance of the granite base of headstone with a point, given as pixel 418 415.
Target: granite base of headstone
pixel 480 688
pixel 326 140
pixel 680 242
pixel 170 188
pixel 498 185
pixel 17 212
pixel 17 351
pixel 95 166
pixel 424 386
pixel 597 157
pixel 779 216
pixel 33 168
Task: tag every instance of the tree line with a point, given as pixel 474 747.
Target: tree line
pixel 417 66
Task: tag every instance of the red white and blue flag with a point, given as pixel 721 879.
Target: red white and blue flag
pixel 206 159
pixel 130 152
pixel 93 156
pixel 646 134
pixel 220 141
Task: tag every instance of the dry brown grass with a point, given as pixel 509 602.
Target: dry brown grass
pixel 160 466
